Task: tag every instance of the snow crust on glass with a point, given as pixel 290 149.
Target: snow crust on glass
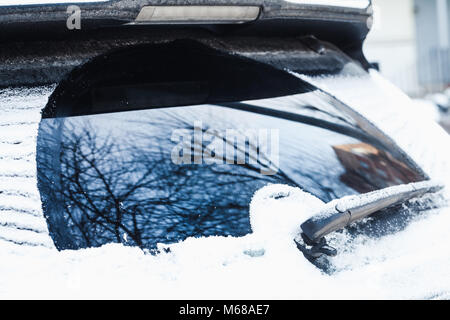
pixel 21 217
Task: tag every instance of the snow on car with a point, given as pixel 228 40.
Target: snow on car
pixel 75 195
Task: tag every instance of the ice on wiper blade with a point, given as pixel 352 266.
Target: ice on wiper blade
pixel 340 213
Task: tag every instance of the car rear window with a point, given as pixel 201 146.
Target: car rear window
pixel 161 175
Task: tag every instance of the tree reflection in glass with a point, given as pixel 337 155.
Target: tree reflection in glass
pixel 112 178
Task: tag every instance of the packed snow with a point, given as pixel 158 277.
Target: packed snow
pixel 266 264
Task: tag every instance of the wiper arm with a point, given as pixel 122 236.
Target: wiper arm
pixel 340 213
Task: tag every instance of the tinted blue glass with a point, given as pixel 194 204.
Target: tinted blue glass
pixel 162 175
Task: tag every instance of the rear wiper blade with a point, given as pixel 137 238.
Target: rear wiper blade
pixel 340 213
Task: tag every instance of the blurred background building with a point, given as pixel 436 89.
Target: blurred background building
pixel 410 42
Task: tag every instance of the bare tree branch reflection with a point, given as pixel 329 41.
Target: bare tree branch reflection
pixel 129 190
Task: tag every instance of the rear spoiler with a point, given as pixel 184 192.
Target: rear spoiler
pixel 33 32
pixel 101 13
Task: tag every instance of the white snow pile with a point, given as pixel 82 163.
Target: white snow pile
pixel 220 267
pixel 276 211
pixel 266 264
pixel 427 108
pixel 21 218
pixel 254 266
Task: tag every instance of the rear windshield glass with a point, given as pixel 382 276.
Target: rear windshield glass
pixel 162 175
